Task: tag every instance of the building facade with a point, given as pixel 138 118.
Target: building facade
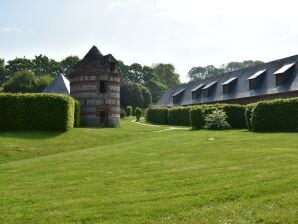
pixel 96 84
pixel 276 79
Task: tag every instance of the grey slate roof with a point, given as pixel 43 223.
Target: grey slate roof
pixel 241 87
pixel 59 85
pixel 94 60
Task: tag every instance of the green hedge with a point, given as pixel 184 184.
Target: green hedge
pixel 77 114
pixel 51 112
pixel 158 115
pixel 235 114
pixel 197 117
pixel 179 116
pixel 276 115
pixel 248 113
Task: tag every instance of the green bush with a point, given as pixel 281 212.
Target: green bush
pixel 235 114
pixel 158 115
pixel 276 115
pixel 51 112
pixel 197 117
pixel 122 114
pixel 138 113
pixel 217 120
pixel 77 114
pixel 179 116
pixel 248 113
pixel 128 111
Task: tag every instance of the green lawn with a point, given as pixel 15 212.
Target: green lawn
pixel 141 174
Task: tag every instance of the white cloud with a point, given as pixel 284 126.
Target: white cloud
pixel 10 30
pixel 115 4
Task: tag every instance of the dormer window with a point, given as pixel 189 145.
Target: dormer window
pixel 208 89
pixel 283 74
pixel 178 96
pixel 255 79
pixel 196 92
pixel 228 85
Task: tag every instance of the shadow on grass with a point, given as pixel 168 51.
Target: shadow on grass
pixel 31 134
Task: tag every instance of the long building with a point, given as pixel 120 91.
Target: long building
pixel 275 79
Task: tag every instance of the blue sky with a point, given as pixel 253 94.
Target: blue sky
pixel 186 33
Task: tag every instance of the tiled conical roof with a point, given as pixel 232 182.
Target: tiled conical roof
pixel 59 85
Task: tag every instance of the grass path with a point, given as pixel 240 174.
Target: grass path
pixel 133 174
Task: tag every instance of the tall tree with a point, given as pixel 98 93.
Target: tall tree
pixel 18 64
pixel 3 76
pixel 68 63
pixel 43 65
pixel 166 74
pixel 135 95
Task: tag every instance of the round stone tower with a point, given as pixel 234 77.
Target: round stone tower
pixel 96 84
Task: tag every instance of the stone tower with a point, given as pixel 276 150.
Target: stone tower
pixel 96 84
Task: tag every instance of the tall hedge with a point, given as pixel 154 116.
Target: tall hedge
pixel 158 115
pixel 276 115
pixel 235 114
pixel 51 112
pixel 179 116
pixel 248 113
pixel 77 114
pixel 197 117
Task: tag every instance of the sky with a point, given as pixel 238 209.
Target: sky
pixel 186 33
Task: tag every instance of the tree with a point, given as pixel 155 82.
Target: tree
pixel 135 95
pixel 18 64
pixel 42 82
pixel 68 63
pixel 166 74
pixel 3 76
pixel 147 98
pixel 21 81
pixel 201 73
pixel 152 82
pixel 43 65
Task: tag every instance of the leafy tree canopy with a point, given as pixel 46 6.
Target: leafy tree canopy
pixel 201 73
pixel 166 74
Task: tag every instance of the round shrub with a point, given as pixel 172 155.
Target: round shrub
pixel 138 113
pixel 217 120
pixel 128 111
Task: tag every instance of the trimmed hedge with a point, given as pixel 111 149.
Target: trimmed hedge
pixel 197 117
pixel 158 115
pixel 235 114
pixel 50 112
pixel 248 113
pixel 276 115
pixel 179 116
pixel 77 114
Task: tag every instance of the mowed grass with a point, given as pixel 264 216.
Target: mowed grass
pixel 142 174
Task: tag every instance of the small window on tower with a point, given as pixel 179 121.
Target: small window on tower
pixel 112 66
pixel 103 86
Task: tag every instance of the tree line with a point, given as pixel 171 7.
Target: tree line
pixel 32 75
pixel 201 73
pixel 141 85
